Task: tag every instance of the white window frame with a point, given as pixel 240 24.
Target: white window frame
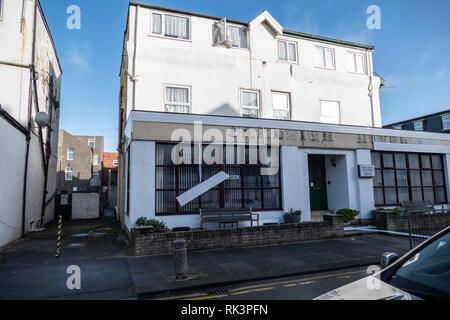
pixel 96 163
pixel 166 102
pixel 287 50
pixel 288 106
pixel 242 107
pixel 70 151
pixel 163 24
pixel 89 143
pixel 224 43
pixel 66 171
pixel 339 110
pixel 355 65
pixel 416 125
pixel 444 121
pixel 324 60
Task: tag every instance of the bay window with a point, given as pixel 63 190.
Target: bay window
pixel 171 26
pixel 408 177
pixel 246 189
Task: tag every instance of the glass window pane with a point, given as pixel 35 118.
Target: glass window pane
pixel 376 160
pixel 415 178
pixel 252 177
pixel 249 99
pixel 437 162
pixel 427 179
pixel 233 183
pixel 426 162
pixel 252 199
pixel 438 178
pixel 402 179
pixel 428 194
pixel 388 160
pixel 413 161
pixel 208 172
pixel 440 195
pixel 403 195
pixel 378 193
pixel 271 181
pixel 176 27
pixel 282 50
pixel 390 195
pixel 292 52
pixel 157 23
pixel 389 178
pixel 351 62
pixel 329 58
pixel 188 177
pixel 177 95
pixel 280 101
pixel 164 154
pixel 211 199
pixel 378 180
pixel 233 198
pixel 400 161
pixel 272 199
pixel 192 206
pixel 416 194
pixel 166 201
pixel 165 178
pixel 360 63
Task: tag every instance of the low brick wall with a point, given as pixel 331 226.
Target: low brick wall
pixel 387 220
pixel 145 242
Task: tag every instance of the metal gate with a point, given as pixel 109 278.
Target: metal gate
pixel 424 225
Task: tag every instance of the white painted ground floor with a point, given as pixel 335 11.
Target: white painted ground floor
pixel 321 167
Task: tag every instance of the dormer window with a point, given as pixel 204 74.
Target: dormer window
pixel 171 26
pixel 418 126
pixel 287 51
pixel 229 35
pixel 446 122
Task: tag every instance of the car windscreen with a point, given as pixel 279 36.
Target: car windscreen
pixel 427 273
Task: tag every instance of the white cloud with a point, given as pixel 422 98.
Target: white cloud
pixel 427 55
pixel 441 73
pixel 79 58
pixel 358 37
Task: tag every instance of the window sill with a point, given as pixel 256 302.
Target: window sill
pixel 169 38
pixel 225 47
pixel 325 68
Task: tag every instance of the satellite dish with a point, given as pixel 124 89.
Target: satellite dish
pixel 42 119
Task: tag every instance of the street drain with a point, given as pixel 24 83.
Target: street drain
pixel 217 292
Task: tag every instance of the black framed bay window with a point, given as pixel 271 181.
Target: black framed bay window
pixel 246 188
pixel 408 177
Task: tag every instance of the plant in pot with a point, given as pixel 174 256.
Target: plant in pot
pixel 156 225
pixel 292 216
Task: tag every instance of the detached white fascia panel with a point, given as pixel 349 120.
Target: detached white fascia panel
pixel 202 188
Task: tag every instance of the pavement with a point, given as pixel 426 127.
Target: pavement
pixel 29 269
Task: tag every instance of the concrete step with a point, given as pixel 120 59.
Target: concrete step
pixel 317 216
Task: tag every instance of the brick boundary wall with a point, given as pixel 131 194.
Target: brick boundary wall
pixel 387 220
pixel 146 242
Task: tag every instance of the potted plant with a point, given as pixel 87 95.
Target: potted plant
pixel 156 225
pixel 292 216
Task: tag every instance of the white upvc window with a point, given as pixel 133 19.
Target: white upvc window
pixel 325 58
pixel 418 126
pixel 250 103
pixel 171 26
pixel 96 160
pixel 91 143
pixel 230 35
pixel 177 99
pixel 446 122
pixel 281 106
pixel 356 62
pixel 287 51
pixel 70 154
pixel 68 174
pixel 330 112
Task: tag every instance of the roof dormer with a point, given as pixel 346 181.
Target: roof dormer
pixel 265 16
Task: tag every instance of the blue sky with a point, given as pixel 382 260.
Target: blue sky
pixel 411 51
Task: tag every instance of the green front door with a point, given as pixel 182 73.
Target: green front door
pixel 317 183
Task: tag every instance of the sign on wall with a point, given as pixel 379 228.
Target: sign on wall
pixel 366 171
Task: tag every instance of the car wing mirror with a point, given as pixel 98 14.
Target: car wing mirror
pixel 388 259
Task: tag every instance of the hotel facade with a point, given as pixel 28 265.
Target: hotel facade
pixel 313 101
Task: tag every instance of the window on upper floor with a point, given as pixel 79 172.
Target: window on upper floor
pixel 171 26
pixel 418 126
pixel 96 160
pixel 330 112
pixel 229 35
pixel 325 58
pixel 91 143
pixel 287 51
pixel 281 106
pixel 446 122
pixel 356 62
pixel 177 99
pixel 68 174
pixel 399 127
pixel 249 103
pixel 70 154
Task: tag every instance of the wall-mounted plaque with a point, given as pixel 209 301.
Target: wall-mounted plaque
pixel 366 171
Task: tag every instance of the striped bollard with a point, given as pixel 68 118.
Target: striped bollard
pixel 58 241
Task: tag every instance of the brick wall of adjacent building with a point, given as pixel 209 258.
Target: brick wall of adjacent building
pixel 146 242
pixel 392 222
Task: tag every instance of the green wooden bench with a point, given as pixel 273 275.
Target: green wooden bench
pixel 228 216
pixel 418 206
